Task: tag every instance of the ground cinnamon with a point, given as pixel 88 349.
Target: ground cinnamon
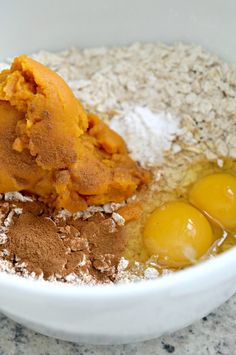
pixel 56 247
pixel 35 241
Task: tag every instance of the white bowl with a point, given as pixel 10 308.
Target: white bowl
pixel 118 313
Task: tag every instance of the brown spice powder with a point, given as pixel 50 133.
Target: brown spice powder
pixel 35 241
pixel 58 247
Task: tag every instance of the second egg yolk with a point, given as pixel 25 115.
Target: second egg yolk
pixel 178 234
pixel 216 196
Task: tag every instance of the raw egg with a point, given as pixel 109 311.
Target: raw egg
pixel 216 196
pixel 178 234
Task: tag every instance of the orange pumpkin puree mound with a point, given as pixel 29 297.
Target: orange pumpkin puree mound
pixel 50 146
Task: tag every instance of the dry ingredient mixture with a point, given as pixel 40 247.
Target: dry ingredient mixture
pixel 58 247
pixel 175 106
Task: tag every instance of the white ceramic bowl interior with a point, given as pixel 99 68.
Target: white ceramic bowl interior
pixel 133 312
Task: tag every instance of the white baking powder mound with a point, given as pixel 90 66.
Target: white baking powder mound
pixel 148 135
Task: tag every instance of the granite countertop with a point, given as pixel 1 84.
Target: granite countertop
pixel 215 334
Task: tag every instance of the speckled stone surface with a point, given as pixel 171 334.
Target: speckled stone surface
pixel 215 334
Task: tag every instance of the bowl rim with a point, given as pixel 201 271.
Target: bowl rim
pixel 209 269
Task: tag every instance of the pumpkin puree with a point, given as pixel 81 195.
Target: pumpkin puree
pixel 50 146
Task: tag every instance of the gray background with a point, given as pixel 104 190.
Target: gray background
pixel 215 334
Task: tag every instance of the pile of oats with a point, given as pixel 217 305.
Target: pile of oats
pixel 185 80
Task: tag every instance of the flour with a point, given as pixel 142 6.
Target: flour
pixel 148 135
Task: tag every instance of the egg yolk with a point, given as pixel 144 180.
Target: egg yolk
pixel 216 196
pixel 178 234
